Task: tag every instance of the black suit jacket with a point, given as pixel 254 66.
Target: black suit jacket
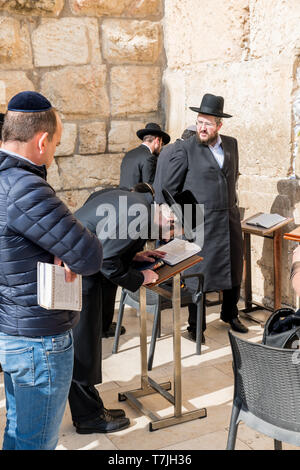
pixel 138 166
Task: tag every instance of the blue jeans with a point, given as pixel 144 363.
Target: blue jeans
pixel 37 378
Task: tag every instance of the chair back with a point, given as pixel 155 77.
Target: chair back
pixel 267 382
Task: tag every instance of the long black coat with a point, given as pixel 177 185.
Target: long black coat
pixel 138 166
pixel 193 167
pixel 117 268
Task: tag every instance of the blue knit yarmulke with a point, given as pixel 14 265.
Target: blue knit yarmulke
pixel 29 102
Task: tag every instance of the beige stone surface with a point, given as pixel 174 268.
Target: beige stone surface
pixel 174 89
pixel 275 30
pixel 74 199
pixel 53 177
pixel 131 41
pixel 15 49
pixel 122 135
pixel 66 41
pixel 77 90
pixel 12 83
pixel 130 8
pixel 68 139
pixel 255 114
pixel 92 138
pixel 134 89
pixel 214 31
pixel 89 171
pixel 33 7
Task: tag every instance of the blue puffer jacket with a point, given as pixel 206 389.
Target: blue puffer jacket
pixel 35 225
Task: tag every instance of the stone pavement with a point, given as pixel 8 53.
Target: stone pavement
pixel 207 381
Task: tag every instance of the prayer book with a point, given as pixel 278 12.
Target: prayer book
pixel 266 220
pixel 53 292
pixel 178 250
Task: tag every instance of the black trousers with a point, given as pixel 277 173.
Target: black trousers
pixel 229 308
pixel 98 297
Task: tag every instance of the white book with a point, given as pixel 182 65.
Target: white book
pixel 53 292
pixel 178 250
pixel 266 220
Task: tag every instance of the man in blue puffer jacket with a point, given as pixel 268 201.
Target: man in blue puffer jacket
pixel 36 345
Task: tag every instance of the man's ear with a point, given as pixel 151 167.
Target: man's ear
pixel 41 141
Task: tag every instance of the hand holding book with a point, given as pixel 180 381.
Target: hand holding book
pixel 69 275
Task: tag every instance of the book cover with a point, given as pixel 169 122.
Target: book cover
pixel 53 292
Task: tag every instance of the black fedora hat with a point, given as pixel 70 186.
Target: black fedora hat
pixel 153 129
pixel 212 105
pixel 179 204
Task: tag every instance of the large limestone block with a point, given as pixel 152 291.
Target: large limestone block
pixel 122 135
pixel 174 98
pixel 92 138
pixel 213 31
pixel 77 91
pixel 131 41
pixel 74 199
pixel 67 41
pixel 15 50
pixel 68 140
pixel 256 92
pixel 12 83
pixel 89 171
pixel 33 7
pixel 134 90
pixel 53 177
pixel 128 8
pixel 274 27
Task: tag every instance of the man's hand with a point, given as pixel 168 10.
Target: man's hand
pixel 69 275
pixel 149 276
pixel 148 255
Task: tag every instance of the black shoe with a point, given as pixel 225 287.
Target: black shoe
pixel 102 424
pixel 236 325
pixel 192 335
pixel 112 330
pixel 115 413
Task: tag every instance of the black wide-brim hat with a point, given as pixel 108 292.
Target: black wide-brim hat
pixel 212 105
pixel 153 129
pixel 177 204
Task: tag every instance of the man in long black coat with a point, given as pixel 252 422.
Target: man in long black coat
pixel 208 166
pixel 107 215
pixel 139 164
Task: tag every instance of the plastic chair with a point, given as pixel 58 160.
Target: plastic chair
pixel 266 391
pixel 155 304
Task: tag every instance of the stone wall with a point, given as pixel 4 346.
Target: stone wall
pixel 110 66
pixel 247 51
pixel 100 62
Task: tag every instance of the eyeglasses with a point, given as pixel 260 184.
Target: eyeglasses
pixel 206 124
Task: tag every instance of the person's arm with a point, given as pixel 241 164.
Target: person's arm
pixel 35 212
pixel 295 271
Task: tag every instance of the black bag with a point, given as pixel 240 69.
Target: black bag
pixel 282 330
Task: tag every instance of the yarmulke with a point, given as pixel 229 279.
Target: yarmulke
pixel 29 102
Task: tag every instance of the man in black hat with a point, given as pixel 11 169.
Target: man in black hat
pixel 207 165
pixel 139 164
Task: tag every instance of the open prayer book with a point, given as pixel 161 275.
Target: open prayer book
pixel 176 250
pixel 266 220
pixel 53 292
